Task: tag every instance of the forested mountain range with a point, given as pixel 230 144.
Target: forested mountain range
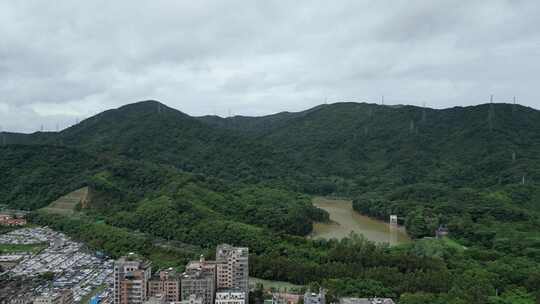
pixel 331 148
pixel 247 180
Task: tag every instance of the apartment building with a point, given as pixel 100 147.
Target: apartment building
pixel 131 276
pixel 167 284
pixel 199 280
pixel 232 265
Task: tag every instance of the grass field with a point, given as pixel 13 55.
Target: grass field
pixel 67 203
pixel 14 248
pixel 453 244
pixel 276 285
pixel 432 247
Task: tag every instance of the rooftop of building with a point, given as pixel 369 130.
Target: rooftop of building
pixel 366 301
pixel 228 290
pixel 168 273
pixel 133 257
pixel 227 249
pixel 201 264
pixel 230 294
pixel 197 274
pixel 313 294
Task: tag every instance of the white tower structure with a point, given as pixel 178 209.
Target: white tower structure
pixel 393 220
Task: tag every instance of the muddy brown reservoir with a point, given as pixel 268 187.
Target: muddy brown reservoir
pixel 343 220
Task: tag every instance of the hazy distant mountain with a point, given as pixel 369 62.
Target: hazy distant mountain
pixel 256 125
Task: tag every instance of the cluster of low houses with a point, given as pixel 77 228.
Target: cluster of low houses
pixel 12 220
pixel 76 272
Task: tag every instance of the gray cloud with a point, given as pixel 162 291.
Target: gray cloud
pixel 68 60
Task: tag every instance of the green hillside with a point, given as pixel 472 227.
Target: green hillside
pixel 35 175
pixel 332 149
pixel 153 132
pixel 155 171
pixel 119 188
pixel 407 145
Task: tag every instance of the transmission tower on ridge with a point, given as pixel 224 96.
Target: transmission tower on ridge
pixel 490 113
pixel 424 112
pixel 3 141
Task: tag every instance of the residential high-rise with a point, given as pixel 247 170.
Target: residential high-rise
pixel 232 264
pixel 131 277
pixel 199 280
pixel 167 284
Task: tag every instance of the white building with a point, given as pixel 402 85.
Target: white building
pixel 230 297
pixel 365 301
pixel 192 299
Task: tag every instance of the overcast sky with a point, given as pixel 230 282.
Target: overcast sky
pixel 66 60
